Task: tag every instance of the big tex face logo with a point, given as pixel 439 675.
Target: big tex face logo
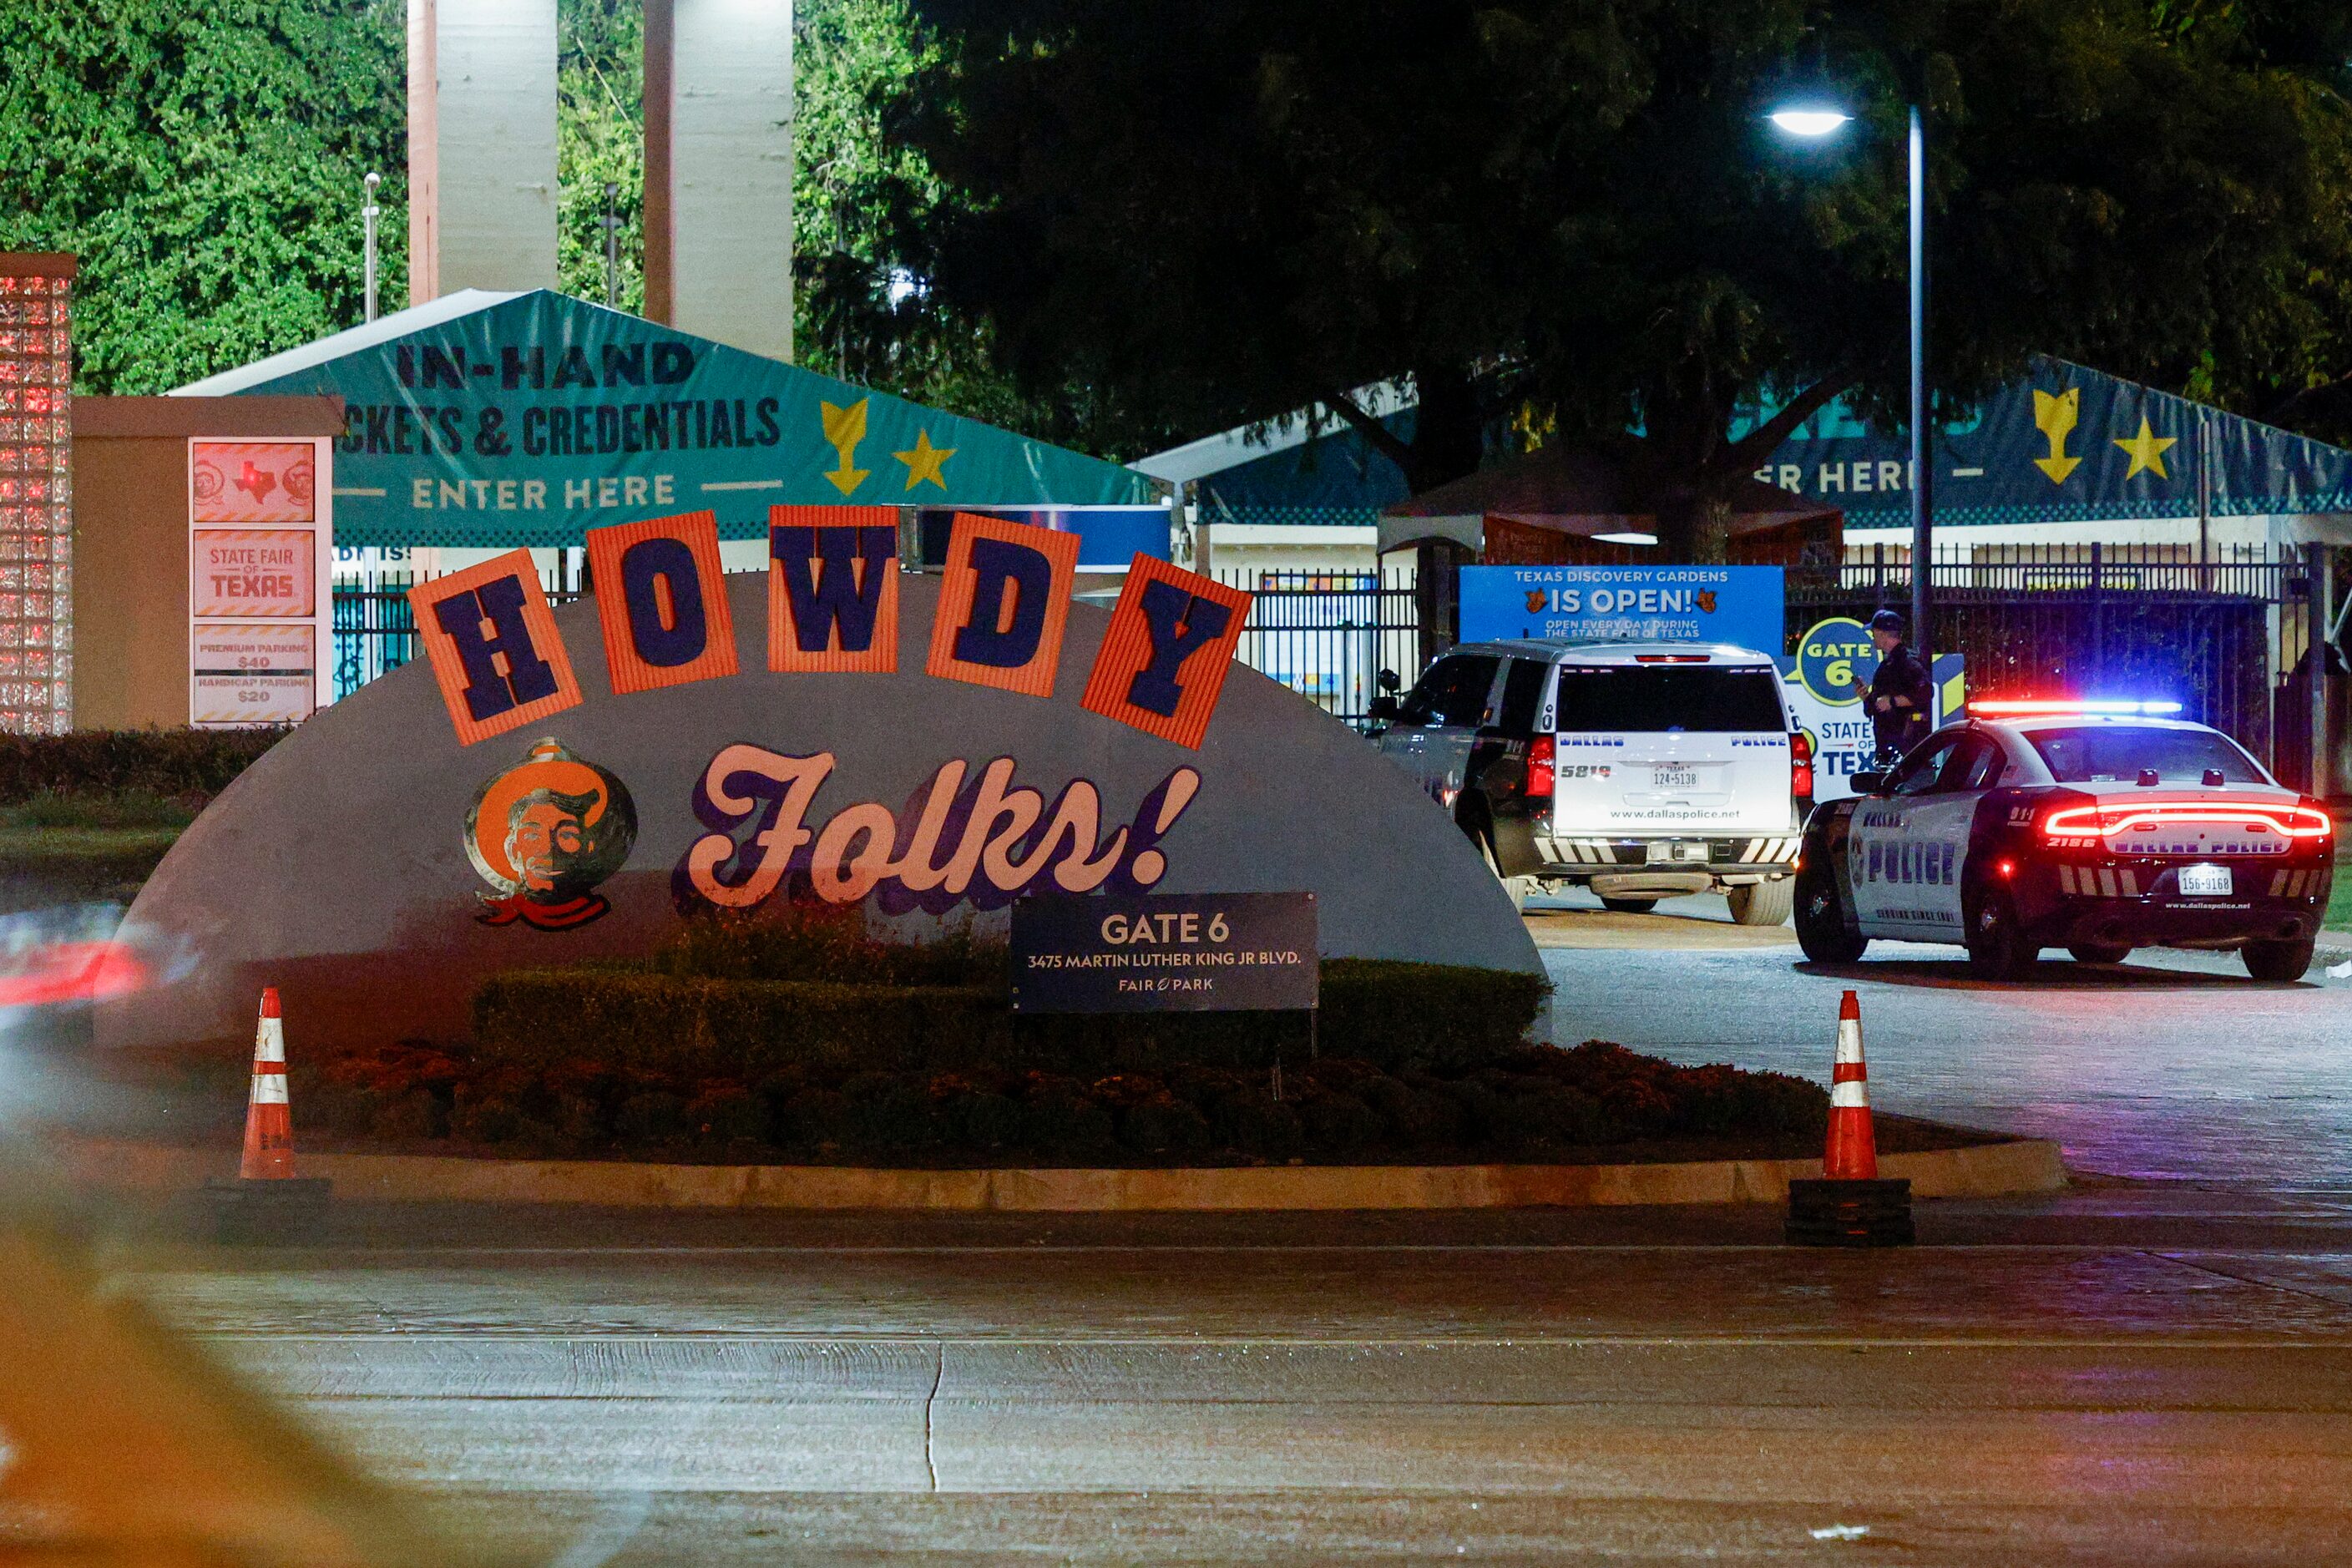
pixel 832 606
pixel 544 833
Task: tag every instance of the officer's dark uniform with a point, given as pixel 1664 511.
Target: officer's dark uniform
pixel 1897 729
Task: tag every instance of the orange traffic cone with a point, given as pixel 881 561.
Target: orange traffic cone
pixel 268 1119
pixel 1853 1152
pixel 1851 1204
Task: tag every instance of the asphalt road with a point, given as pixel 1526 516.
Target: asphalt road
pixel 2153 1368
pixel 2173 1066
pixel 2117 1375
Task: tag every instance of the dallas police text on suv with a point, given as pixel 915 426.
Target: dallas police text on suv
pixel 1642 770
pixel 2094 828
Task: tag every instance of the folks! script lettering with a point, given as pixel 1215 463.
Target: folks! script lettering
pixel 968 834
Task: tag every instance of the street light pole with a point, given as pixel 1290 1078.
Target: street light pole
pixel 1923 473
pixel 612 245
pixel 1825 118
pixel 368 212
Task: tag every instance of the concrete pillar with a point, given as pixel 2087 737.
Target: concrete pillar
pixel 718 170
pixel 481 145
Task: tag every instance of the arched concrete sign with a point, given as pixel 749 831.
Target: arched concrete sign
pixel 374 868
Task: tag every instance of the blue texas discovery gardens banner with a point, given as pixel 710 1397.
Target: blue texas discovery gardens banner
pixel 538 416
pixel 1737 605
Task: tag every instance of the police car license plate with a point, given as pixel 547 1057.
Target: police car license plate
pixel 2205 881
pixel 1674 778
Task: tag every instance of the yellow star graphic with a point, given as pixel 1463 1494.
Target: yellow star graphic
pixel 2147 450
pixel 925 460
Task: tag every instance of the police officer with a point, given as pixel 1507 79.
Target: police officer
pixel 1898 695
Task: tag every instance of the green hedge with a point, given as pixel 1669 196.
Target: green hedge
pixel 1391 1015
pixel 173 764
pixel 639 1022
pixel 1534 1103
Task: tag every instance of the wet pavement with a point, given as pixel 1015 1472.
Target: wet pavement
pixel 2112 1374
pixel 2154 1367
pixel 2173 1066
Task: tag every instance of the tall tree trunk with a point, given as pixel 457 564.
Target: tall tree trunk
pixel 1694 527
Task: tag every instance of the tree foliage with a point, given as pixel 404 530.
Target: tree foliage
pixel 1219 210
pixel 205 162
pixel 860 198
pixel 600 141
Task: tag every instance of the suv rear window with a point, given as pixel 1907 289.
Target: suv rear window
pixel 2116 753
pixel 1656 698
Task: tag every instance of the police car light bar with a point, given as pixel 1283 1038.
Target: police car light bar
pixel 2023 707
pixel 2101 820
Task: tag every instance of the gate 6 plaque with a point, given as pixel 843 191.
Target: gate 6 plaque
pixel 1165 953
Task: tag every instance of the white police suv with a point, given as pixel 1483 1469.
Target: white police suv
pixel 1639 770
pixel 2095 826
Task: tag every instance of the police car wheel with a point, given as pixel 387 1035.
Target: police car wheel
pixel 2098 953
pixel 1762 903
pixel 2277 960
pixel 1821 930
pixel 1997 945
pixel 1629 906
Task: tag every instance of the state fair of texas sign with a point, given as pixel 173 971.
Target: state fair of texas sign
pixel 548 787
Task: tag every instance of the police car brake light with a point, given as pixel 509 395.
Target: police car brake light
pixel 2101 820
pixel 2040 707
pixel 1800 764
pixel 1542 758
pixel 1670 658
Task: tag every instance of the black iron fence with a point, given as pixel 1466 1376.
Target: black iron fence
pixel 1327 635
pixel 2228 637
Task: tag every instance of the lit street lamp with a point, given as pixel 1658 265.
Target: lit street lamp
pixel 1814 120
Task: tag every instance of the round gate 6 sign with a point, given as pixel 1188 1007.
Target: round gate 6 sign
pixel 1834 654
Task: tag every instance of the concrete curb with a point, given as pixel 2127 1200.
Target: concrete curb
pixel 1985 1170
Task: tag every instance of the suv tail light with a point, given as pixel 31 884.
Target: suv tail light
pixel 1801 765
pixel 1542 753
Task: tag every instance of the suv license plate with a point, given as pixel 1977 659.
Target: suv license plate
pixel 1674 778
pixel 2205 881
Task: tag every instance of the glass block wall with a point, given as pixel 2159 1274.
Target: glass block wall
pixel 36 496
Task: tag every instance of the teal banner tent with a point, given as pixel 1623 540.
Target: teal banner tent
pixel 2062 443
pixel 494 420
pixel 2066 444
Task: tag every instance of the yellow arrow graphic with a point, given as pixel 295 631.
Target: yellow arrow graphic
pixel 844 428
pixel 2054 417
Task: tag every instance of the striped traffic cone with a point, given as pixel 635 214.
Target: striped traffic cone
pixel 1851 1206
pixel 267 1202
pixel 268 1118
pixel 1853 1152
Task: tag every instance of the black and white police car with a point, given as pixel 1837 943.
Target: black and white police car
pixel 2095 826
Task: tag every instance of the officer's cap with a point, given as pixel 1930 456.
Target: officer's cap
pixel 1886 621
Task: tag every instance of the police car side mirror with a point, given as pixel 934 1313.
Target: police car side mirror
pixel 1867 784
pixel 1383 708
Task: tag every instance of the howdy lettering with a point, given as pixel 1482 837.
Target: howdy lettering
pixel 982 841
pixel 502 669
pixel 832 606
